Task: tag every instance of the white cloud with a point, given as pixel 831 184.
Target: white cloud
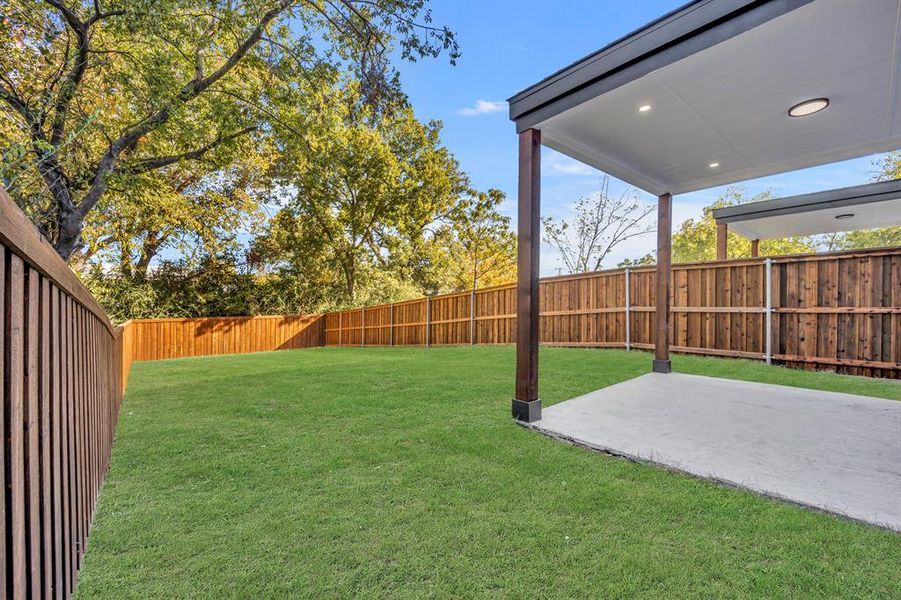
pixel 573 168
pixel 482 107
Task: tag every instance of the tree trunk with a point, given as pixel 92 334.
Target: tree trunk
pixel 68 237
pixel 349 278
pixel 149 250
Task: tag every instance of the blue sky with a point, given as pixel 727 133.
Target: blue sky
pixel 508 45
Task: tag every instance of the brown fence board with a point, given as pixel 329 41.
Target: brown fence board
pixel 59 567
pixel 5 573
pixel 14 403
pixel 70 510
pixel 32 429
pixel 44 411
pixel 156 339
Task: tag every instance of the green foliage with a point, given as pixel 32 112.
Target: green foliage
pixel 210 287
pixel 886 237
pixel 647 259
pixel 374 208
pixel 95 93
pixel 888 167
pixel 479 244
pixel 182 210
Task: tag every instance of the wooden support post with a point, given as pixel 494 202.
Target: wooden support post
pixel 628 312
pixel 391 328
pixel 340 327
pixel 363 327
pixel 722 234
pixel 664 257
pixel 755 248
pixel 526 405
pixel 472 317
pixel 428 321
pixel 768 273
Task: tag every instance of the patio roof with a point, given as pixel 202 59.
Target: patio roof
pixel 713 93
pixel 719 77
pixel 846 209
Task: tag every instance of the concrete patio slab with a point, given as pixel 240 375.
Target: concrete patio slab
pixel 835 452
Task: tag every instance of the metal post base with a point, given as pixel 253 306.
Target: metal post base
pixel 528 412
pixel 662 366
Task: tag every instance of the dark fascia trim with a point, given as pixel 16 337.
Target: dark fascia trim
pixel 677 35
pixel 849 196
pixel 608 52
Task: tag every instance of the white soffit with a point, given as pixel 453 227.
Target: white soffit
pixel 865 216
pixel 728 104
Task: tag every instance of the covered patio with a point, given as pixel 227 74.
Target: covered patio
pixel 716 92
pixel 713 93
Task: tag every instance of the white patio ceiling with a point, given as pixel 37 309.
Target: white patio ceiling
pixel 727 104
pixel 848 209
pixel 826 220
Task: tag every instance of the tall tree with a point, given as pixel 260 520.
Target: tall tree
pixel 480 245
pixel 696 239
pixel 97 89
pixel 600 224
pixel 361 188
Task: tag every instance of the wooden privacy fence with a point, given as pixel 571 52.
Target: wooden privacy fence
pixel 837 311
pixel 64 369
pixel 154 339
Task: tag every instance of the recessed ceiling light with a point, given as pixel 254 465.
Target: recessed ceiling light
pixel 808 107
pixel 844 216
pixel 713 165
pixel 644 108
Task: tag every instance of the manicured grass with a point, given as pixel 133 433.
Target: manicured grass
pixel 343 472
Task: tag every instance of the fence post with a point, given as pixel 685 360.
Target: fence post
pixel 628 315
pixel 428 321
pixel 340 327
pixel 363 327
pixel 472 317
pixel 768 268
pixel 391 328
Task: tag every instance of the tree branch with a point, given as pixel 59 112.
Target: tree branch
pixel 68 15
pixel 159 162
pixel 17 103
pixel 75 75
pixel 191 90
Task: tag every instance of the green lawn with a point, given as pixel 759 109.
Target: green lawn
pixel 343 472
